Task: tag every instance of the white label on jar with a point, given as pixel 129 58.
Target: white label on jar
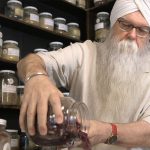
pixel 13 52
pixel 97 1
pixel 14 142
pixel 34 17
pixel 6 146
pixel 99 26
pixel 1 42
pixel 49 22
pixel 63 27
pixel 8 88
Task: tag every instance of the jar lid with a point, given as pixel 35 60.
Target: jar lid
pixel 14 1
pixel 30 7
pixel 10 41
pixel 1 34
pixel 40 50
pixel 73 24
pixel 59 18
pixel 12 131
pixel 3 122
pixel 54 43
pixel 20 87
pixel 7 71
pixel 102 13
pixel 46 13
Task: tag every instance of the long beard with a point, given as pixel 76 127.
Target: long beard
pixel 121 68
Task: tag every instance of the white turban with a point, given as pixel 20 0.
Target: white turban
pixel 124 7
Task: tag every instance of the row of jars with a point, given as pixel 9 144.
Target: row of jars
pixel 79 3
pixel 102 26
pixel 30 15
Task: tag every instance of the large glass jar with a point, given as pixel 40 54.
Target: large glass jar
pixel 14 9
pixel 74 30
pixel 60 25
pixel 1 43
pixel 8 84
pixel 5 138
pixel 11 51
pixel 46 21
pixel 31 15
pixel 14 139
pixel 71 1
pixel 100 2
pixel 53 46
pixel 74 126
pixel 81 3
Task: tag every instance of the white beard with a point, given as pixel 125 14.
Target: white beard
pixel 121 79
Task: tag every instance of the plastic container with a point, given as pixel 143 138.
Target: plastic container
pixel 11 51
pixel 14 9
pixel 8 84
pixel 5 138
pixel 46 21
pixel 75 122
pixel 53 46
pixel 31 15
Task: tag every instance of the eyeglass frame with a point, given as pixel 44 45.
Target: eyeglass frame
pixel 131 26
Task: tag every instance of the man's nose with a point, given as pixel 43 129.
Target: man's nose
pixel 132 34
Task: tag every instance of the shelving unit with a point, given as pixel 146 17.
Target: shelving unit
pixel 30 37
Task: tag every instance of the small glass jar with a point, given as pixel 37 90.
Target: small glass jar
pixel 53 46
pixel 76 121
pixel 40 50
pixel 10 51
pixel 71 1
pixel 1 43
pixel 20 92
pixel 14 9
pixel 5 138
pixel 14 139
pixel 60 25
pixel 74 30
pixel 81 3
pixel 8 84
pixel 31 15
pixel 46 21
pixel 100 2
pixel 103 17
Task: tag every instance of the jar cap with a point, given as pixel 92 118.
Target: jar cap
pixel 20 87
pixel 30 7
pixel 1 34
pixel 14 1
pixel 59 18
pixel 40 50
pixel 12 130
pixel 8 71
pixel 10 41
pixel 46 13
pixel 73 23
pixel 3 122
pixel 102 13
pixel 58 43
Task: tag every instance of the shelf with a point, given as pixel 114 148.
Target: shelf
pixel 10 106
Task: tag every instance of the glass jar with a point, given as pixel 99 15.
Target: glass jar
pixel 31 15
pixel 46 21
pixel 14 9
pixel 81 3
pixel 8 83
pixel 71 1
pixel 100 2
pixel 74 30
pixel 103 17
pixel 1 43
pixel 60 25
pixel 20 92
pixel 55 45
pixel 5 138
pixel 11 51
pixel 74 126
pixel 40 50
pixel 14 139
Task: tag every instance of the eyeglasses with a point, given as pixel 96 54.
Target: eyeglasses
pixel 142 31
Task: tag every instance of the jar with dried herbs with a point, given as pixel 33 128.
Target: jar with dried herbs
pixel 14 9
pixel 31 15
pixel 8 83
pixel 11 51
pixel 46 21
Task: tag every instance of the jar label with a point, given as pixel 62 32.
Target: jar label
pixel 18 12
pixel 49 22
pixel 12 52
pixel 1 42
pixel 99 26
pixel 34 17
pixel 6 146
pixel 62 27
pixel 14 142
pixel 8 88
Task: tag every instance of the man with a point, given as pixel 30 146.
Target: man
pixel 112 78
